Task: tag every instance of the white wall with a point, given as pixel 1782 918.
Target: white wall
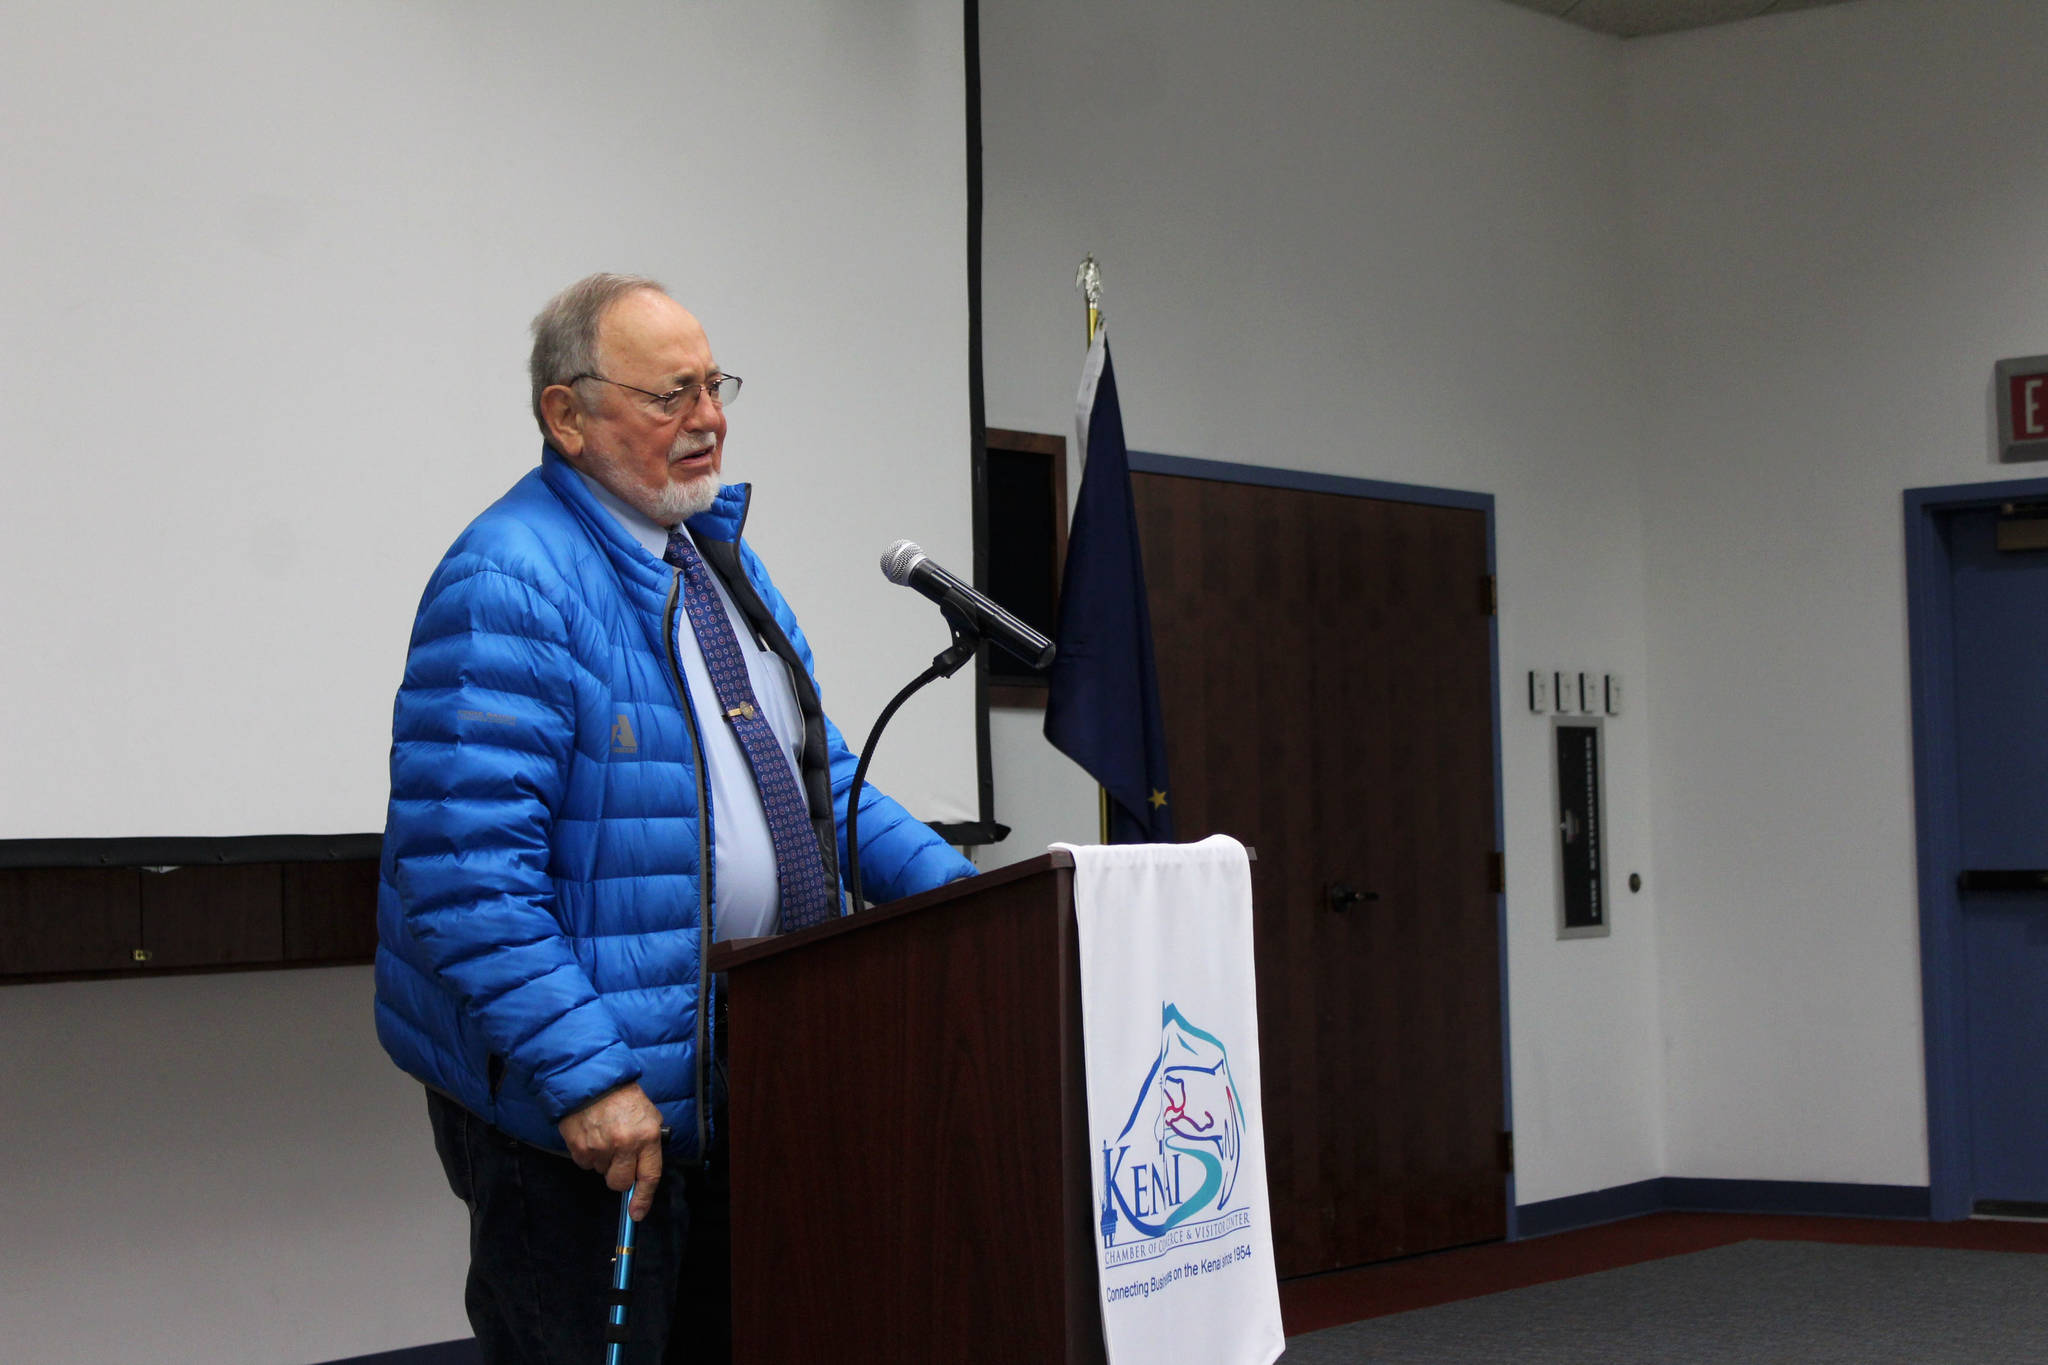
pixel 1842 222
pixel 1380 240
pixel 212 1169
pixel 263 311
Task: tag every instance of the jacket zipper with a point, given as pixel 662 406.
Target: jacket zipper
pixel 675 669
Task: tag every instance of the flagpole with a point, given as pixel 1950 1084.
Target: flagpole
pixel 1088 279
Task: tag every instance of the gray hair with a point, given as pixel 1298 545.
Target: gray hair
pixel 565 332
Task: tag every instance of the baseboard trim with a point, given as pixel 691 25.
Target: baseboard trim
pixel 463 1352
pixel 1798 1196
pixel 1681 1194
pixel 1591 1209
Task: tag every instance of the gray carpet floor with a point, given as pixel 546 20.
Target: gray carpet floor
pixel 1750 1302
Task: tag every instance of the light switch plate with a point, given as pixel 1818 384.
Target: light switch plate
pixel 1589 698
pixel 1614 694
pixel 1539 690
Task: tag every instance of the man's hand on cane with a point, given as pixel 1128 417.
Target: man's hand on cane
pixel 619 1135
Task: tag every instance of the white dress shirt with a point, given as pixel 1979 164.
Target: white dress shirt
pixel 745 901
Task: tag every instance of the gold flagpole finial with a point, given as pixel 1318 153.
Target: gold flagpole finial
pixel 1088 279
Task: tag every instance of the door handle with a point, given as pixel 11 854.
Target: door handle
pixel 2003 879
pixel 1342 897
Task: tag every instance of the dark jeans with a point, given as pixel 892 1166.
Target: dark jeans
pixel 541 1233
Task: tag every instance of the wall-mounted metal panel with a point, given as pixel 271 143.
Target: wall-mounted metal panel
pixel 1582 910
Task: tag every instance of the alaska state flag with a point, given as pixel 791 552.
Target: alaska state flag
pixel 1102 708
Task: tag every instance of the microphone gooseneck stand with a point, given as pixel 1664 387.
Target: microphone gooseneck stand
pixel 966 639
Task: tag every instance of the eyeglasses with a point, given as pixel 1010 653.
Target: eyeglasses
pixel 683 397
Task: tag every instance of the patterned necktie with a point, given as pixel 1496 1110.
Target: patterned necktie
pixel 806 895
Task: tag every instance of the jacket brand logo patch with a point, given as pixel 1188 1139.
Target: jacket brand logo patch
pixel 622 736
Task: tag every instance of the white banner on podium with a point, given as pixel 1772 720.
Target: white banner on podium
pixel 1169 1016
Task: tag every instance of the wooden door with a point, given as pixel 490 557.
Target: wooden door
pixel 1325 666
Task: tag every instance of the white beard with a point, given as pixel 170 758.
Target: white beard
pixel 678 502
pixel 673 502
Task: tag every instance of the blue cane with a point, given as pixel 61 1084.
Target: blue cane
pixel 622 1280
pixel 622 1273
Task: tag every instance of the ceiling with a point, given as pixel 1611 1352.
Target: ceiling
pixel 1636 18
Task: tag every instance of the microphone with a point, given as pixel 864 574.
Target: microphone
pixel 906 564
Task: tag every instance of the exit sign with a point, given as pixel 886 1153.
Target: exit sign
pixel 2023 408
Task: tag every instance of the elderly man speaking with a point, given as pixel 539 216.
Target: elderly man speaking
pixel 607 752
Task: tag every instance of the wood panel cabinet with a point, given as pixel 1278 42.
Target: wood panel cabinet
pixel 213 916
pixel 330 911
pixel 59 923
pixel 69 919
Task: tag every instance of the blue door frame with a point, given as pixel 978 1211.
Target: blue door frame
pixel 1221 471
pixel 1931 647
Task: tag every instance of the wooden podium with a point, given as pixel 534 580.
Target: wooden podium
pixel 910 1155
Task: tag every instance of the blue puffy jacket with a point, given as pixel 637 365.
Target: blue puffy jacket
pixel 544 907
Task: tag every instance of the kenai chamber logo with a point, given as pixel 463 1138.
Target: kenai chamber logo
pixel 1169 1176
